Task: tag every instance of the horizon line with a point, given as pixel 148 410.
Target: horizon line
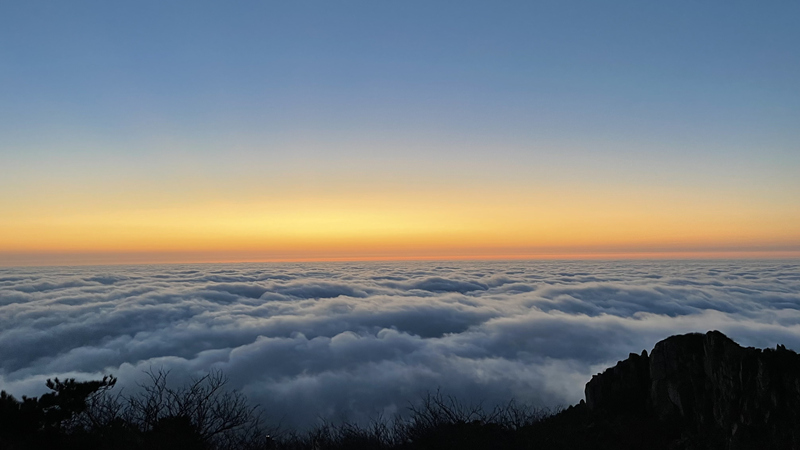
pixel 68 259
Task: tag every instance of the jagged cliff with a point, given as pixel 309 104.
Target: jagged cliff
pixel 696 391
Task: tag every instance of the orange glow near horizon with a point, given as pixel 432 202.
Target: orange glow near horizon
pixel 90 259
pixel 439 224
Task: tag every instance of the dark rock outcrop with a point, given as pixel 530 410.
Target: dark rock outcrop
pixel 622 388
pixel 700 391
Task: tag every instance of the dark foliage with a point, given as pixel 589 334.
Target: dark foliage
pixel 201 415
pixel 52 419
pixel 436 422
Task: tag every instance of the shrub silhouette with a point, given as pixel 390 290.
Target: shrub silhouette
pixel 219 418
pixel 436 422
pixel 197 416
pixel 203 415
pixel 45 421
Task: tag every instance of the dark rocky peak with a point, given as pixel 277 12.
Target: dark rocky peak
pixel 709 390
pixel 622 388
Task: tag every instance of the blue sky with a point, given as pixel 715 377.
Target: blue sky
pixel 531 70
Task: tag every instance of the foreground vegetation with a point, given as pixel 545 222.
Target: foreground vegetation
pixel 204 415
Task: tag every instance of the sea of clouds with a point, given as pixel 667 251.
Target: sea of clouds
pixel 353 340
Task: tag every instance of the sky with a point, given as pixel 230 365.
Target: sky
pixel 313 342
pixel 167 131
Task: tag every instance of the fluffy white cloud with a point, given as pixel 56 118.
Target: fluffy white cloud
pixel 351 340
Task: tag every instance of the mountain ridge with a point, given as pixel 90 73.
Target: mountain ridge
pixel 693 391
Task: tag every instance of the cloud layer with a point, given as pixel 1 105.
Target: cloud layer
pixel 352 340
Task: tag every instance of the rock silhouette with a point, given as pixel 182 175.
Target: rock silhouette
pixel 698 391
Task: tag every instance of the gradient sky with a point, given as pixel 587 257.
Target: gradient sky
pixel 255 130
